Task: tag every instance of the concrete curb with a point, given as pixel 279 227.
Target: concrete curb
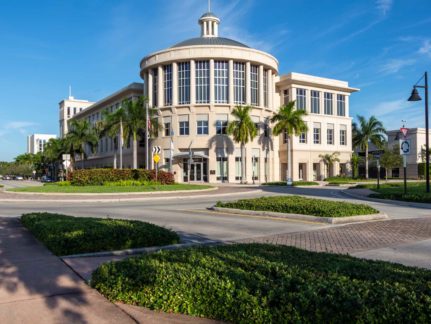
pixel 148 193
pixel 325 220
pixel 151 249
pixel 114 200
pixel 388 201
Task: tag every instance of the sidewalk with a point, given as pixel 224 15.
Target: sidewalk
pixel 36 287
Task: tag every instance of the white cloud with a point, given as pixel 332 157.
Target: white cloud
pixel 16 126
pixel 426 48
pixel 384 6
pixel 395 65
pixel 390 107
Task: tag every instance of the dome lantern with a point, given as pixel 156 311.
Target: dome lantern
pixel 209 25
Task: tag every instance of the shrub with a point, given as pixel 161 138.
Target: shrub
pixel 130 183
pixel 301 205
pixel 63 183
pixel 255 283
pixel 65 235
pixel 98 177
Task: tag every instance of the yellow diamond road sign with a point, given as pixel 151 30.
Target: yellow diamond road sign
pixel 156 158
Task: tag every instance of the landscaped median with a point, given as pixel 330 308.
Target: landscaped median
pixel 67 235
pixel 254 283
pixel 416 191
pixel 301 208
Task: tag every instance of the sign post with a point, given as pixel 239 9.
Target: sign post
pixel 405 146
pixel 156 158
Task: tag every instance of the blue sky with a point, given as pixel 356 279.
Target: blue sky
pixel 380 46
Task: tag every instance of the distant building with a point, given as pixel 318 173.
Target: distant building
pixel 36 142
pixel 68 108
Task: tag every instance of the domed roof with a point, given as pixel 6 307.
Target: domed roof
pixel 208 15
pixel 210 41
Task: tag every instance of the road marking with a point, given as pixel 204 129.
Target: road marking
pixel 200 211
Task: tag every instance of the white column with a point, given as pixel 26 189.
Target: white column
pixel 231 88
pixel 160 86
pixel 261 92
pixel 247 83
pixel 212 81
pixel 271 91
pixel 149 88
pixel 210 28
pixel 192 82
pixel 174 84
pixel 215 30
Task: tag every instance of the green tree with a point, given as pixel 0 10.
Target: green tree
pixel 355 159
pixel 329 160
pixel 289 120
pixel 114 129
pixel 391 158
pixel 366 132
pixel 243 130
pixel 80 134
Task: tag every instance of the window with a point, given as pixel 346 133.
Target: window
pixel 328 103
pixel 284 137
pixel 238 165
pixel 256 122
pixel 167 128
pixel 303 138
pixel 341 105
pixel 265 88
pixel 74 110
pixel 155 87
pixel 222 166
pixel 221 124
pixel 184 83
pixel 343 135
pixel 315 102
pixel 167 80
pixel 239 83
pixel 316 133
pixel 266 128
pixel 221 81
pixel 254 85
pixel 300 99
pixel 255 164
pixel 330 134
pixel 184 124
pixel 286 97
pixel 202 124
pixel 202 82
pixel 68 112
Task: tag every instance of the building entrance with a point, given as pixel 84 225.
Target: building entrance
pixel 198 170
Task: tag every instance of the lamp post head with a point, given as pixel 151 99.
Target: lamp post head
pixel 415 95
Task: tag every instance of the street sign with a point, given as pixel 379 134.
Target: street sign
pixel 156 158
pixel 404 131
pixel 405 146
pixel 157 150
pixel 66 157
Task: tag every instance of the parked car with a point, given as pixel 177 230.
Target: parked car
pixel 6 177
pixel 19 178
pixel 46 179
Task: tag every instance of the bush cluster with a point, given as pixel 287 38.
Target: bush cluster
pixel 65 235
pixel 412 197
pixel 301 205
pixel 254 283
pixel 97 177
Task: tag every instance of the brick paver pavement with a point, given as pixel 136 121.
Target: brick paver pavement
pixel 354 237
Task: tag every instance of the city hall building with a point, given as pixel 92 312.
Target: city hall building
pixel 195 85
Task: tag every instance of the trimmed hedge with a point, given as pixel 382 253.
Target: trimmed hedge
pixel 256 283
pixel 65 235
pixel 301 205
pixel 97 177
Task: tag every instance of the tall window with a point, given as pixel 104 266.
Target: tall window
pixel 68 112
pixel 184 83
pixel 155 87
pixel 238 164
pixel 316 133
pixel 202 82
pixel 167 127
pixel 239 83
pixel 222 166
pixel 315 102
pixel 221 81
pixel 255 164
pixel 330 134
pixel 328 103
pixel 265 88
pixel 184 124
pixel 303 138
pixel 221 124
pixel 341 105
pixel 300 99
pixel 286 97
pixel 202 124
pixel 343 135
pixel 254 85
pixel 167 80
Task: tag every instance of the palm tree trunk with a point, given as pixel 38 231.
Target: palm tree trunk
pixel 120 145
pixel 366 161
pixel 242 163
pixel 82 160
pixel 289 164
pixel 135 151
pixel 115 158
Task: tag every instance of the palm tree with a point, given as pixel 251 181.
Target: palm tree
pixel 289 120
pixel 368 131
pixel 53 152
pixel 329 160
pixel 80 134
pixel 113 123
pixel 243 130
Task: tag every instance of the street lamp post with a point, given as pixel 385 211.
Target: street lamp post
pixel 415 97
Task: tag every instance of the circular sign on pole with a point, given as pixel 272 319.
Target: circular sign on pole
pixel 405 147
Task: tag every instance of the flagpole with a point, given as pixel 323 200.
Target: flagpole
pixel 147 142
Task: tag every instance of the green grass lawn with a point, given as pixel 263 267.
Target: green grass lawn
pixel 295 183
pixel 65 235
pixel 53 188
pixel 256 283
pixel 300 205
pixel 416 191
